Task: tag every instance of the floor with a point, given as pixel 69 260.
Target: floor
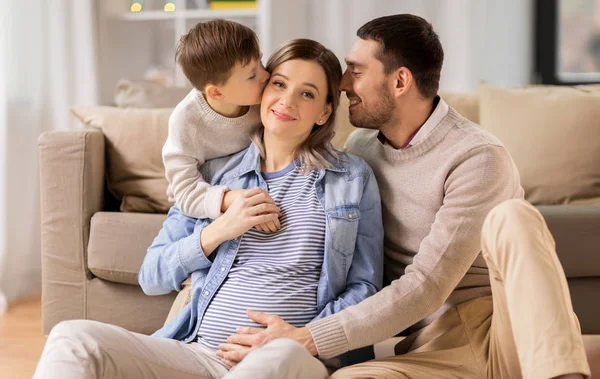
pixel 21 339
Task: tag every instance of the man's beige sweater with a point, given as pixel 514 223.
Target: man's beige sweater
pixel 435 196
pixel 196 134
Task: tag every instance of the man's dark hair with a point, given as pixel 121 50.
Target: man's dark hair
pixel 408 41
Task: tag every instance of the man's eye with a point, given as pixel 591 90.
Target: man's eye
pixel 252 77
pixel 355 73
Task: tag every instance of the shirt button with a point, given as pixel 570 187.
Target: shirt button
pixel 350 215
pixel 222 269
pixel 205 293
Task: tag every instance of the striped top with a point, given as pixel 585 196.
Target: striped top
pixel 278 272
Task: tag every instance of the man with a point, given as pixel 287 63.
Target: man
pixel 440 175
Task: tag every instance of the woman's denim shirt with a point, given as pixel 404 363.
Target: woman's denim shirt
pixel 353 259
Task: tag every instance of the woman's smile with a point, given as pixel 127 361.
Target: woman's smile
pixel 282 116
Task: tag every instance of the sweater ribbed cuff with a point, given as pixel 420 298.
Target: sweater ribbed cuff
pixel 213 200
pixel 329 337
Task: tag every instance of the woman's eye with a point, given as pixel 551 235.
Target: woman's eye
pixel 308 94
pixel 252 77
pixel 278 84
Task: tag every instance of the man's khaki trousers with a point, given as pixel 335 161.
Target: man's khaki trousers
pixel 528 330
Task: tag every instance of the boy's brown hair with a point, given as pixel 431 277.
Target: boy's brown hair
pixel 210 50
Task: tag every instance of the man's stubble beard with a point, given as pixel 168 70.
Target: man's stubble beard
pixel 379 115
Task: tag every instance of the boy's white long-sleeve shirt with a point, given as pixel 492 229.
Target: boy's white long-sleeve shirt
pixel 196 134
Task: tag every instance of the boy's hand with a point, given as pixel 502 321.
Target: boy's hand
pixel 251 207
pixel 229 198
pixel 269 227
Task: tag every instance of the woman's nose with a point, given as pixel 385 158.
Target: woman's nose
pixel 286 100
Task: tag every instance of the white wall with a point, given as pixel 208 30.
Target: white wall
pixel 488 40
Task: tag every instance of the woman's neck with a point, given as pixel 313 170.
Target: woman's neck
pixel 278 153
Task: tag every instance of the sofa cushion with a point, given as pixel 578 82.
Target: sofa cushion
pixel 134 141
pixel 126 306
pixel 584 297
pixel 118 244
pixel 552 134
pixel 467 104
pixel 575 229
pixel 148 94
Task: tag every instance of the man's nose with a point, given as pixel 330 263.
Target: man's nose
pixel 346 82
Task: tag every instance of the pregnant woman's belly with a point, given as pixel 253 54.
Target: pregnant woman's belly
pixel 275 273
pixel 290 293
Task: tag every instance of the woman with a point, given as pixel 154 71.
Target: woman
pixel 327 255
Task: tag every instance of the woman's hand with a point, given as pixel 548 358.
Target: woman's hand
pixel 251 207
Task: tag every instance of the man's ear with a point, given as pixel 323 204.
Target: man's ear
pixel 325 116
pixel 213 91
pixel 403 80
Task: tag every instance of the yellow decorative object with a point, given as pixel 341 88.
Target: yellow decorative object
pixel 136 7
pixel 169 7
pixel 229 4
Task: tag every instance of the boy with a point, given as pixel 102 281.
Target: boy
pixel 222 61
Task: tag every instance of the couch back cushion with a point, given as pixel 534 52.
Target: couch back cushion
pixel 134 166
pixel 553 135
pixel 147 94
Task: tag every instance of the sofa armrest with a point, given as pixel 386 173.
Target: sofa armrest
pixel 576 231
pixel 71 191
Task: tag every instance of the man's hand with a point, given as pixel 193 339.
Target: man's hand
pixel 247 338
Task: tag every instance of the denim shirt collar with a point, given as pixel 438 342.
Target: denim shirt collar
pixel 251 163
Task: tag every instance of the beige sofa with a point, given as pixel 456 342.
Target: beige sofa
pixel 91 252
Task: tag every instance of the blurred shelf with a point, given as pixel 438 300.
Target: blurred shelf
pixel 187 14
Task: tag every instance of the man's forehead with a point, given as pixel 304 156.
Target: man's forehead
pixel 361 52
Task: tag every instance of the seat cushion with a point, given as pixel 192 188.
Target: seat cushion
pixel 118 244
pixel 575 231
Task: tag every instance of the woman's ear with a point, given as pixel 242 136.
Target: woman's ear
pixel 325 116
